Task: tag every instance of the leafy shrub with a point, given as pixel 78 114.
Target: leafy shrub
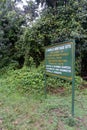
pixel 78 82
pixel 13 65
pixel 71 121
pixel 57 82
pixel 26 80
pixel 31 80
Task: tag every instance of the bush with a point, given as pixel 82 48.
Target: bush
pixel 26 80
pixel 31 80
pixel 78 82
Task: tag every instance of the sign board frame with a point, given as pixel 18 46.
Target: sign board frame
pixel 60 62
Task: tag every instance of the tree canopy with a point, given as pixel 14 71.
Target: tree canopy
pixel 23 38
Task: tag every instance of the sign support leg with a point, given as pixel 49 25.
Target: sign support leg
pixel 45 86
pixel 73 95
pixel 73 80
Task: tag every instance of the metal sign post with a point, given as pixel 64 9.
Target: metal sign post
pixel 60 62
pixel 45 86
pixel 73 78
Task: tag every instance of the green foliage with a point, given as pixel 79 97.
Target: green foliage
pixel 71 122
pixel 26 80
pixel 57 82
pixel 58 25
pixel 10 25
pixel 53 26
pixel 27 110
pixel 31 80
pixel 78 82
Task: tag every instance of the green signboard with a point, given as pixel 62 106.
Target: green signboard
pixel 59 60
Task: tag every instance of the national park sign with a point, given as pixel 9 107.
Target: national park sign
pixel 59 60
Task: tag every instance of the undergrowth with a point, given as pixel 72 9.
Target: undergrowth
pixel 31 80
pixel 33 111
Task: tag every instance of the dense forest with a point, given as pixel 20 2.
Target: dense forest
pixel 24 33
pixel 29 98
